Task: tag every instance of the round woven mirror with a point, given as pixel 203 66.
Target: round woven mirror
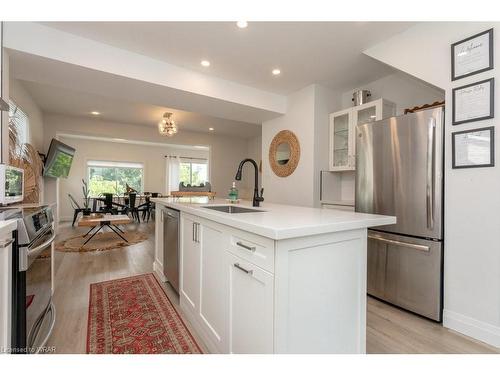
pixel 284 153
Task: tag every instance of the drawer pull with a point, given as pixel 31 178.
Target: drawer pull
pixel 249 272
pixel 249 248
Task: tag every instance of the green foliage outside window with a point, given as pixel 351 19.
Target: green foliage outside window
pixel 114 179
pixel 193 173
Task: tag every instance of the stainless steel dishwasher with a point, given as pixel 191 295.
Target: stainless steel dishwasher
pixel 171 247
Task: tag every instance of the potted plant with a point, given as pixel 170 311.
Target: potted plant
pixel 86 199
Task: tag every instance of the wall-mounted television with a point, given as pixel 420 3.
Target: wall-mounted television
pixel 58 160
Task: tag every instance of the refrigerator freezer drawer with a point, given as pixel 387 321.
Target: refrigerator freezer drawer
pixel 406 272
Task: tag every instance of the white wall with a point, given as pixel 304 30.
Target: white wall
pixel 23 99
pixel 254 152
pixel 307 117
pixel 472 198
pixel 298 188
pixel 225 152
pixel 326 101
pixel 400 88
pixel 4 84
pixel 152 157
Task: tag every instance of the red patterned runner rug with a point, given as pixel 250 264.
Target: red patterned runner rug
pixel 134 315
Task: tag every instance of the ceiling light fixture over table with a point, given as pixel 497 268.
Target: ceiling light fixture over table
pixel 276 72
pixel 205 63
pixel 167 126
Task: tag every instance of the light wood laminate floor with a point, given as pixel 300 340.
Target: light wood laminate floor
pixel 389 330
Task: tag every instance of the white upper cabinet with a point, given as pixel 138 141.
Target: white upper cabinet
pixel 342 147
pixel 341 140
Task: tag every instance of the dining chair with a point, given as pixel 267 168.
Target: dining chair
pixel 108 204
pixel 132 208
pixel 145 209
pixel 76 208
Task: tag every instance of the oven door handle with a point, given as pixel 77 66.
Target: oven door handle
pixel 43 245
pixel 26 252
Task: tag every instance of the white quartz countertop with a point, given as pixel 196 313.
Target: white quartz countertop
pixel 7 226
pixel 278 221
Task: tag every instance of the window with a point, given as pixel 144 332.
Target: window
pixel 112 177
pixel 21 121
pixel 193 171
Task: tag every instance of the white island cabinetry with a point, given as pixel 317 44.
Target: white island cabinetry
pixel 250 286
pixel 251 292
pixel 203 287
pixel 6 240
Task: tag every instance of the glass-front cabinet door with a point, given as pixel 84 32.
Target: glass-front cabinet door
pixel 366 115
pixel 343 127
pixel 340 140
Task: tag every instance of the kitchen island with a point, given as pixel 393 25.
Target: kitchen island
pixel 271 279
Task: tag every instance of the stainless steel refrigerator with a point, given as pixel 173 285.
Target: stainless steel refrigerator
pixel 399 172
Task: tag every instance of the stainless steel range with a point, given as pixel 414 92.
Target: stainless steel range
pixel 33 313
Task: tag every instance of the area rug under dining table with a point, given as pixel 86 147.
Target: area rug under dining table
pixel 133 315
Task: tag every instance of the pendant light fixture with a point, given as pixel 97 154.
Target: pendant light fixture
pixel 167 126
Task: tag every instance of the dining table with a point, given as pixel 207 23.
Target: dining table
pixel 120 199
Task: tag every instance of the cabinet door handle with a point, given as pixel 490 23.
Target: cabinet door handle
pixel 249 248
pixel 6 243
pixel 196 232
pixel 237 265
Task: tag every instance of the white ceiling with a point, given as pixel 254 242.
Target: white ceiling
pixel 329 53
pixel 53 99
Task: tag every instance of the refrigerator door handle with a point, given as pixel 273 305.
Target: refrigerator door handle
pixel 430 173
pixel 399 243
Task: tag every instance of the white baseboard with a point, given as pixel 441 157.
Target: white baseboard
pixel 488 333
pixel 158 268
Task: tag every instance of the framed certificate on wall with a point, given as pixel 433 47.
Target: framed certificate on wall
pixel 473 148
pixel 472 55
pixel 473 102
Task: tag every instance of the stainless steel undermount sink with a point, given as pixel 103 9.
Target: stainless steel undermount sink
pixel 232 209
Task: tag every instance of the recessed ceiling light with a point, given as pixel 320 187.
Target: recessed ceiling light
pixel 242 24
pixel 211 129
pixel 205 63
pixel 95 113
pixel 276 72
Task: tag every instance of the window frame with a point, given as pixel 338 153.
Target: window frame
pixel 192 161
pixel 115 164
pixel 25 115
